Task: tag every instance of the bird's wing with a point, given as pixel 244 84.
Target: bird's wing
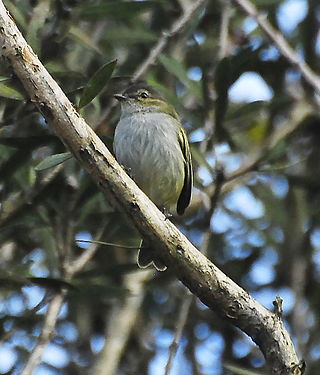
pixel 185 195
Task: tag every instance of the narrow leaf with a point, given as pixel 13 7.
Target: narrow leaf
pixel 175 67
pixel 80 36
pixel 237 370
pixel 52 161
pixel 116 9
pixel 9 92
pixel 97 83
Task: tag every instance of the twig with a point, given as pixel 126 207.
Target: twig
pixel 219 181
pixel 224 28
pixel 72 267
pixel 103 243
pixel 181 322
pixel 284 47
pixel 46 333
pixel 176 28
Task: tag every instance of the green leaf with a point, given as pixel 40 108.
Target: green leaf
pixel 116 9
pixel 124 34
pixel 228 70
pixel 9 92
pixel 53 160
pixel 80 36
pixel 266 3
pixel 176 68
pixel 97 83
pixel 237 370
pixel 17 13
pixel 245 110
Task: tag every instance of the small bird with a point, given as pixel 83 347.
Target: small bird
pixel 153 147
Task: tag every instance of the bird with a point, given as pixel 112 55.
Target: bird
pixel 151 144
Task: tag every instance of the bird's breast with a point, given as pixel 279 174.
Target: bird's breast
pixel 146 144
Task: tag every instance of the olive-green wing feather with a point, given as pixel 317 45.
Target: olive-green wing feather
pixel 185 195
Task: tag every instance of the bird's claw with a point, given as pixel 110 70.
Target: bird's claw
pixel 166 213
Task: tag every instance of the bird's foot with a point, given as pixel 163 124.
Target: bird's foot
pixel 166 213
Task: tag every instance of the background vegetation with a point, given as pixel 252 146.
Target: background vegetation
pixel 253 125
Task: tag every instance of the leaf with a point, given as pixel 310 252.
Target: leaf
pixel 53 160
pixel 97 83
pixel 237 370
pixel 9 92
pixel 40 13
pixel 179 70
pixel 80 36
pixel 245 110
pixel 175 67
pixel 266 3
pixel 17 13
pixel 227 72
pixel 116 9
pixel 124 34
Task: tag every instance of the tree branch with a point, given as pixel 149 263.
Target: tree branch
pixel 176 28
pixel 122 320
pixel 202 277
pixel 181 322
pixel 46 333
pixel 281 43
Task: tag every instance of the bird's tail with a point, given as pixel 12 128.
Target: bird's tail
pixel 147 256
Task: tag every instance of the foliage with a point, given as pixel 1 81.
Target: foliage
pixel 262 229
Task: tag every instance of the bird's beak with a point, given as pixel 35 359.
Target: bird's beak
pixel 120 97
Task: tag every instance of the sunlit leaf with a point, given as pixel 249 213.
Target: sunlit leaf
pixel 97 83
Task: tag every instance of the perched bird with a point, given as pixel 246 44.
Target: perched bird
pixel 152 145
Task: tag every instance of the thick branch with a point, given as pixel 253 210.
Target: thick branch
pixel 202 277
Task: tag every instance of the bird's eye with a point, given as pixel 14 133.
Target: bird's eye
pixel 144 95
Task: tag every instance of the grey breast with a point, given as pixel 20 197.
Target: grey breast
pixel 147 146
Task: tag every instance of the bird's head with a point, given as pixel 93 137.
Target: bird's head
pixel 141 97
